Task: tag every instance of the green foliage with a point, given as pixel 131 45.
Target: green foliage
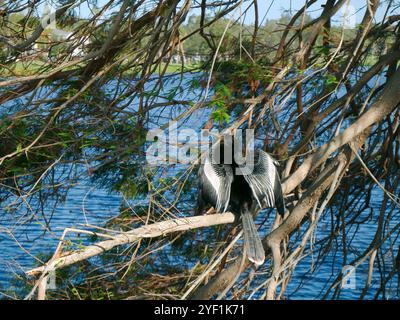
pixel 221 115
pixel 222 94
pixel 330 80
pixel 240 75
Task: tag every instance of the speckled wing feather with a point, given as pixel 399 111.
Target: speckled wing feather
pixel 264 181
pixel 220 177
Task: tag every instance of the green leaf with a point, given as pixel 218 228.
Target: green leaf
pixel 19 148
pixel 221 115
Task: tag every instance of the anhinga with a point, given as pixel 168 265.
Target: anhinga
pixel 227 187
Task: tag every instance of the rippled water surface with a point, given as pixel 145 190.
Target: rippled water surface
pixel 23 239
pixel 86 204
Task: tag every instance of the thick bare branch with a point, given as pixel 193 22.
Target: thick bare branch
pixel 149 231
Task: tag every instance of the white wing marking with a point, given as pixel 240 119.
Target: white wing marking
pixel 221 183
pixel 211 175
pixel 262 180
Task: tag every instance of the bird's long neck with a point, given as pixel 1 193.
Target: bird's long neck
pixel 224 151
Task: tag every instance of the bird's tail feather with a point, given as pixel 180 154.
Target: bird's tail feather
pixel 252 242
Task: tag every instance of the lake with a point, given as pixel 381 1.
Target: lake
pixel 23 236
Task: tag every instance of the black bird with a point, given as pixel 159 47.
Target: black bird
pixel 228 186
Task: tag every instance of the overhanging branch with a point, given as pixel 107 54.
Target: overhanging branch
pixel 148 231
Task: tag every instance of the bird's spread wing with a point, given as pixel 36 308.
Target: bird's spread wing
pixel 264 181
pixel 220 177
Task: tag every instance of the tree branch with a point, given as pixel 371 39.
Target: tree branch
pixel 148 231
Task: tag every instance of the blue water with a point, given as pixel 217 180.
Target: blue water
pixel 25 237
pixel 86 204
pixel 32 238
